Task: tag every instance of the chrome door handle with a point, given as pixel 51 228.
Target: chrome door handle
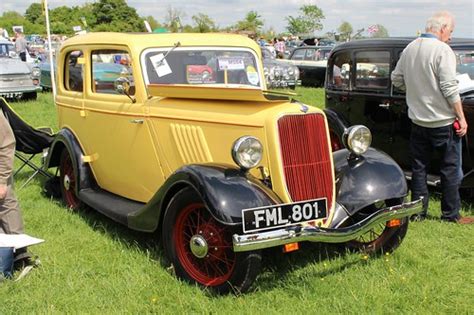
pixel 137 121
pixel 384 105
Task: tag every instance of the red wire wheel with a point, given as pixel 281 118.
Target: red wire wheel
pixel 203 246
pixel 200 247
pixel 68 181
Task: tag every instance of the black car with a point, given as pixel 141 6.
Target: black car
pixel 359 91
pixel 311 61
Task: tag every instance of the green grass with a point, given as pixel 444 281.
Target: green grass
pixel 93 265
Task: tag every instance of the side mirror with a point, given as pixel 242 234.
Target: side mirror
pixel 122 86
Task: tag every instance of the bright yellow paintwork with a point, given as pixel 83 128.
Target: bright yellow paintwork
pixel 133 147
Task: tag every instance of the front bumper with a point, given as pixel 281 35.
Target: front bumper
pixel 294 234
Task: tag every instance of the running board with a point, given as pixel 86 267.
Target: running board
pixel 115 207
pixel 431 180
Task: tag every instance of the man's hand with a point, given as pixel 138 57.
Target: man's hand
pixel 3 191
pixel 462 128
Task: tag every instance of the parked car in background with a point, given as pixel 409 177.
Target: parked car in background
pixel 18 80
pixel 278 73
pixel 359 91
pixel 311 61
pixel 290 46
pixel 221 168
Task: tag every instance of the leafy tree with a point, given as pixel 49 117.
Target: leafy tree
pixel 154 24
pixel 173 19
pixel 204 23
pixel 307 22
pixel 12 18
pixel 381 32
pixel 252 22
pixel 34 14
pixel 117 16
pixel 345 30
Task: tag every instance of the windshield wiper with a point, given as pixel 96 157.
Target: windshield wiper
pixel 176 45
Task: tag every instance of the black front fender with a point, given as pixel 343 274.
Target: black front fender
pixel 367 179
pixel 224 189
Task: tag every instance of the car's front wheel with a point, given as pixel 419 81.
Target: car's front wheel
pixel 68 181
pixel 384 238
pixel 200 247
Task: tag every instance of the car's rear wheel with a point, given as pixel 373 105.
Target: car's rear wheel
pixel 200 247
pixel 384 238
pixel 68 181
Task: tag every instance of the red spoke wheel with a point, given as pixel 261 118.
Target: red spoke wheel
pixel 384 238
pixel 68 181
pixel 200 247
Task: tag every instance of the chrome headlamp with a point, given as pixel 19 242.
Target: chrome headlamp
pixel 357 139
pixel 247 152
pixel 35 73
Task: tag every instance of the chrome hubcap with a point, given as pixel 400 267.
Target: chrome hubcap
pixel 67 182
pixel 198 246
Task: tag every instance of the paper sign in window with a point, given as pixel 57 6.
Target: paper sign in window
pixel 160 65
pixel 231 64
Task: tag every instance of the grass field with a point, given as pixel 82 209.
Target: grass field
pixel 93 265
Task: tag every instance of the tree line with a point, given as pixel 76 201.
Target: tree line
pixel 117 16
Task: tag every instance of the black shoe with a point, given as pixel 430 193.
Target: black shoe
pixel 417 217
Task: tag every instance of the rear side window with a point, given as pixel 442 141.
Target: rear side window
pixel 372 69
pixel 298 54
pixel 107 66
pixel 339 71
pixel 74 71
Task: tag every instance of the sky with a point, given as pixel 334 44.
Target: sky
pixel 400 17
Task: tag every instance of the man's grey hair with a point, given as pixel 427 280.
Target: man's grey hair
pixel 438 20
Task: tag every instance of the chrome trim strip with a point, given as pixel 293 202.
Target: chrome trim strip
pixel 293 234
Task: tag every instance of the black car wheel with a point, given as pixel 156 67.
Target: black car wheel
pixel 200 247
pixel 384 238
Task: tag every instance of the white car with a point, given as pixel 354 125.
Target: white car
pixel 18 80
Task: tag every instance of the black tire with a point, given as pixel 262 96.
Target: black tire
pixel 30 96
pixel 68 181
pixel 382 239
pixel 221 270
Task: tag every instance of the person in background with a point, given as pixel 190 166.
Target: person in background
pixel 21 46
pixel 11 221
pixel 427 71
pixel 280 48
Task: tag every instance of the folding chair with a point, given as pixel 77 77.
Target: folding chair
pixel 29 142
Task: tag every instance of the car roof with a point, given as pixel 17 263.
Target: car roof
pixel 394 42
pixel 140 41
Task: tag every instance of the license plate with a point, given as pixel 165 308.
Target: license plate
pixel 269 217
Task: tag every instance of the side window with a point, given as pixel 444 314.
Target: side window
pixel 74 71
pixel 309 54
pixel 107 66
pixel 339 71
pixel 298 54
pixel 397 91
pixel 372 69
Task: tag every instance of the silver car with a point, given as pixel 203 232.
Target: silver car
pixel 18 80
pixel 279 73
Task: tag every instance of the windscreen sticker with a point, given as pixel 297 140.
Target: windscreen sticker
pixel 228 63
pixel 252 75
pixel 160 65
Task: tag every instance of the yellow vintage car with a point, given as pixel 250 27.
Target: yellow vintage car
pixel 189 142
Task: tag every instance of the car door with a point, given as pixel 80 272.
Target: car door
pixel 370 95
pixel 118 142
pixel 400 137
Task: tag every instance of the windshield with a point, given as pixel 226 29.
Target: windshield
pixel 5 50
pixel 210 66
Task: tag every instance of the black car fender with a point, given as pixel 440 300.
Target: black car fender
pixel 367 179
pixel 66 139
pixel 224 189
